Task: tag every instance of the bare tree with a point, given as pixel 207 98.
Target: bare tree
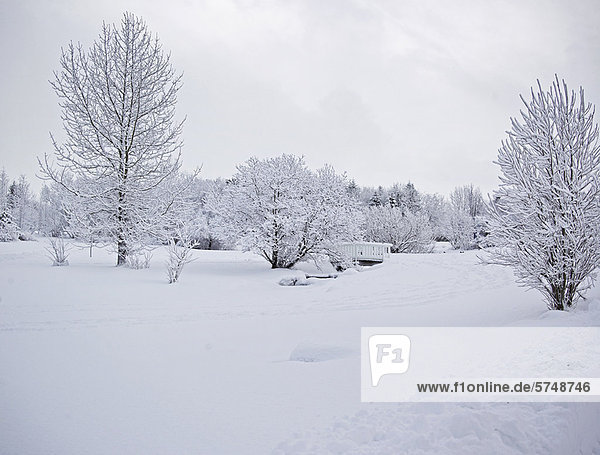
pixel 468 199
pixel 122 141
pixel 545 215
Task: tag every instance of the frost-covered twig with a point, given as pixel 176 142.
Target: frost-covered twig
pixel 139 260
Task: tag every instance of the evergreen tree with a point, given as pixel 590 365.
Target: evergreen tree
pixel 377 198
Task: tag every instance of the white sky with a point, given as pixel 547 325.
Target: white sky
pixel 389 91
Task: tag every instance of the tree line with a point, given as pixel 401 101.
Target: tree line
pixel 280 192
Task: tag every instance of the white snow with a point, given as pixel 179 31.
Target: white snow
pixel 97 359
pixel 311 352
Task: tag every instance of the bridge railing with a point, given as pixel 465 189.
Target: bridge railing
pixel 366 251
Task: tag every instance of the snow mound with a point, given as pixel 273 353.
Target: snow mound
pixel 441 247
pixel 351 271
pixel 314 268
pixel 493 429
pixel 310 352
pixel 60 264
pixel 294 281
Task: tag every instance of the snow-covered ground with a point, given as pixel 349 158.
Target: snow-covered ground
pixel 98 359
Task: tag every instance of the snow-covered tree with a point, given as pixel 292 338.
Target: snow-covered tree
pixel 205 234
pixel 408 233
pixel 9 230
pixel 394 196
pixel 280 209
pixel 460 230
pixel 411 199
pixel 122 143
pixel 51 216
pixel 353 189
pixel 4 186
pixel 22 205
pixel 468 199
pixel 332 214
pixel 378 198
pixel 545 214
pixel 466 223
pixel 438 212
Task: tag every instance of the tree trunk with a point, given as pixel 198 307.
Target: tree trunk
pixel 121 252
pixel 121 242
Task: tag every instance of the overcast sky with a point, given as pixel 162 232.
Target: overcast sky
pixel 388 91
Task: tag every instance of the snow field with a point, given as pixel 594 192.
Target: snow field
pixel 99 359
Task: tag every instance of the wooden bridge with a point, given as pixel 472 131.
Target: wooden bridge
pixel 366 253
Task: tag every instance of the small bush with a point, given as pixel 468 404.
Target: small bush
pixel 179 256
pixel 58 252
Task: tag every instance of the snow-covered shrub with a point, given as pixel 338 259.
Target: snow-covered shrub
pixel 179 251
pixel 26 237
pixel 175 261
pixel 179 254
pixel 408 232
pixel 58 252
pixel 280 209
pixel 139 260
pixel 545 215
